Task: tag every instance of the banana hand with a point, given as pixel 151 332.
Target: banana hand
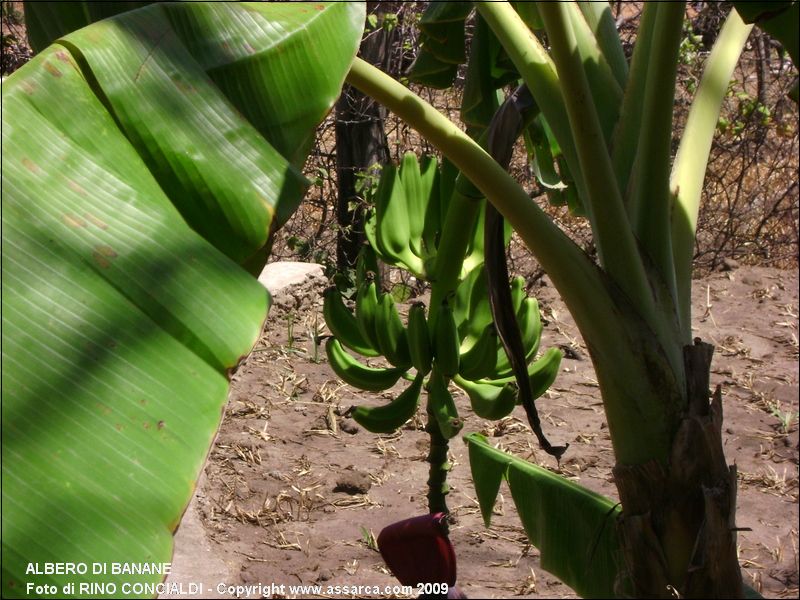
pixel 530 326
pixel 343 324
pixel 542 373
pixel 352 372
pixel 479 361
pixel 387 418
pixel 489 401
pixel 392 225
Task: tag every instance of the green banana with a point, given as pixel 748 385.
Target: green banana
pixel 352 372
pixel 530 325
pixel 416 200
pixel 343 324
pixel 489 401
pixel 419 341
pixel 446 341
pixel 392 416
pixel 391 334
pixel 462 299
pixel 433 223
pixel 541 373
pixel 366 311
pixel 475 254
pixel 442 406
pixel 479 360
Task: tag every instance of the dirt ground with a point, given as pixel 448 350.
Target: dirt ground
pixel 295 493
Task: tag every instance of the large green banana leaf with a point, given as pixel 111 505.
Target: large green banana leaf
pixel 146 158
pixel 573 527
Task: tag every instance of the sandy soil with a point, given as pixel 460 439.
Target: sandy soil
pixel 295 493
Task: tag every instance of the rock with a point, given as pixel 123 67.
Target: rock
pixel 352 482
pixel 570 352
pixel 279 275
pixel 349 426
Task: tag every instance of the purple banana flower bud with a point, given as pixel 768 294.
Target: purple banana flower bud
pixel 418 551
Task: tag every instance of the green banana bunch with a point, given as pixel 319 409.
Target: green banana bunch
pixel 446 342
pixel 343 324
pixel 419 341
pixel 391 334
pixel 387 418
pixel 351 371
pixel 442 406
pixel 489 401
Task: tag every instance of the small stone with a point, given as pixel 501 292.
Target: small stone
pixel 349 426
pixel 352 482
pixel 570 352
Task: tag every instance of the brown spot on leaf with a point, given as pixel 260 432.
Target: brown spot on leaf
pixel 106 251
pixel 103 263
pixel 183 86
pixel 103 408
pixel 320 7
pixel 102 255
pixel 143 401
pixel 95 221
pixel 30 165
pixel 76 187
pixel 52 69
pixel 161 424
pixel 146 425
pixel 73 221
pixel 28 87
pixel 63 56
pixel 118 426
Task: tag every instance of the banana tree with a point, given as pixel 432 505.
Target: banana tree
pixel 612 124
pixel 102 311
pixel 147 161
